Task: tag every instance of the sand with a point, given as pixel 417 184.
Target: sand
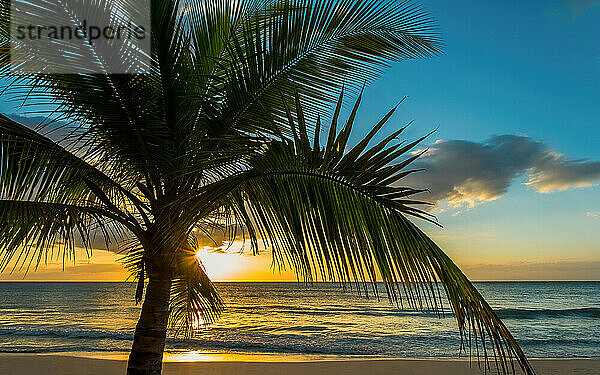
pixel 24 364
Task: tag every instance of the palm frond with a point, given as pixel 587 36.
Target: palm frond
pixel 195 301
pixel 341 216
pixel 317 46
pixel 104 108
pixel 32 232
pixel 218 69
pixel 54 200
pixel 183 147
pixel 35 168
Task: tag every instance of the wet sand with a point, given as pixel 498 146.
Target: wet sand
pixel 20 364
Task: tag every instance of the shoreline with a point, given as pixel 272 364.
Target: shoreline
pixel 87 364
pixel 193 356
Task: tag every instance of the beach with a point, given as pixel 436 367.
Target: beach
pixel 19 364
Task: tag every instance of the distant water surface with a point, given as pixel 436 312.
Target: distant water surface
pixel 549 319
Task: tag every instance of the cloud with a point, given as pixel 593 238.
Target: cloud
pixel 593 214
pixel 469 173
pixel 578 7
pixel 572 9
pixel 553 172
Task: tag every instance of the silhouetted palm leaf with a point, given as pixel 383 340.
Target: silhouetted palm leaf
pixel 214 137
pixel 340 216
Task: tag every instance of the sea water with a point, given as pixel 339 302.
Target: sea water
pixel 549 320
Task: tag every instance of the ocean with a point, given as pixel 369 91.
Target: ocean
pixel 549 319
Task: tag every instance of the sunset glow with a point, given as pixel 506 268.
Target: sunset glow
pixel 219 265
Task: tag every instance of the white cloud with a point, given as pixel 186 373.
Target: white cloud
pixel 470 173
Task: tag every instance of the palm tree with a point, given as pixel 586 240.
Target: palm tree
pixel 216 137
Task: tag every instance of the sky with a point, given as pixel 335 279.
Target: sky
pixel 514 167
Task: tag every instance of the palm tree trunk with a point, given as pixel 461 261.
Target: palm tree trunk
pixel 151 330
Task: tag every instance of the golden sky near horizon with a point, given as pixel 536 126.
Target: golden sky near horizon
pixel 235 265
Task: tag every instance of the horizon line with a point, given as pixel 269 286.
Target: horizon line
pixel 276 281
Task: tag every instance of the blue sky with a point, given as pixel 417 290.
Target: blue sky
pixel 528 69
pixel 519 68
pixel 509 67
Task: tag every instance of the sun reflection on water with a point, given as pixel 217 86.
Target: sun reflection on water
pixel 205 356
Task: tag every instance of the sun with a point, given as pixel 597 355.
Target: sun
pixel 238 264
pixel 221 265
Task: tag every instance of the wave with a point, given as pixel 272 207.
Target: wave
pixel 74 334
pixel 592 343
pixel 507 313
pixel 94 340
pixel 413 345
pixel 586 312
